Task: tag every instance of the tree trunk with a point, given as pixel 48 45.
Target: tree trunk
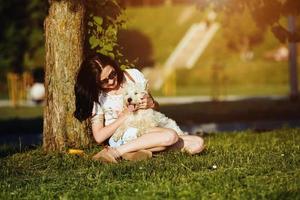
pixel 65 37
pixel 294 93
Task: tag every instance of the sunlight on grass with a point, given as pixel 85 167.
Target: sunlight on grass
pixel 242 165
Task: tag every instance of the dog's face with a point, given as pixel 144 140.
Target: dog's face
pixel 134 93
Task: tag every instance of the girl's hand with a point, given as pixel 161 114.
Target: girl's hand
pixel 147 102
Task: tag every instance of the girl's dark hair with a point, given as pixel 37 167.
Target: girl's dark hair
pixel 87 86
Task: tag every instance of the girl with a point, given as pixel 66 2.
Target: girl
pixel 98 91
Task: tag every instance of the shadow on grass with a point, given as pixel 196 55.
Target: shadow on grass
pixel 19 135
pixel 10 149
pixel 19 125
pixel 233 111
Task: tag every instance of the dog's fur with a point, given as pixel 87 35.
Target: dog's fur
pixel 142 119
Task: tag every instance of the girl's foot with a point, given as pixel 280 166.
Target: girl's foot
pixel 107 155
pixel 137 155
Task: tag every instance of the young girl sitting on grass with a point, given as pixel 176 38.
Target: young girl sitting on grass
pixel 98 91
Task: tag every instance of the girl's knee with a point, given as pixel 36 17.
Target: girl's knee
pixel 170 137
pixel 199 141
pixel 196 146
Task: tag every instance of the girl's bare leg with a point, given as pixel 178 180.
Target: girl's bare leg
pixel 157 149
pixel 156 139
pixel 160 139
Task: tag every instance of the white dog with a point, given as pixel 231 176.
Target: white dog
pixel 142 119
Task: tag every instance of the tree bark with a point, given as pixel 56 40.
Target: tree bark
pixel 65 39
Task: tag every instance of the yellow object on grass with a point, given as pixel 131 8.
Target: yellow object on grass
pixel 76 151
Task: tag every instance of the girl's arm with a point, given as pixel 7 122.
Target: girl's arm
pixel 101 132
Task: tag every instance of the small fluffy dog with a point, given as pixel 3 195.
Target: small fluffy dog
pixel 142 119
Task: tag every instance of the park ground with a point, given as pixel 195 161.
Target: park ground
pixel 239 165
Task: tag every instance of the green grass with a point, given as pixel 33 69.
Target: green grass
pixel 248 166
pixel 20 112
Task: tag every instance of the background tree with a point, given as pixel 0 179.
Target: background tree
pixel 265 13
pixel 241 32
pixel 21 35
pixel 271 14
pixel 136 47
pixel 68 35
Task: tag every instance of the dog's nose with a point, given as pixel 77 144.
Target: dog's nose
pixel 129 100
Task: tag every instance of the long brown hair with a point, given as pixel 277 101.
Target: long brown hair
pixel 87 86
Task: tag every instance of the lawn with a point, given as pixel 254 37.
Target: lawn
pixel 241 165
pixel 22 112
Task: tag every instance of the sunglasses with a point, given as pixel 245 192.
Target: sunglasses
pixel 112 75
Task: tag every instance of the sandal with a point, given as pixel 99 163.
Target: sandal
pixel 137 155
pixel 107 155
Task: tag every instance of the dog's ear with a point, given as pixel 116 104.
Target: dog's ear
pixel 141 86
pixel 129 86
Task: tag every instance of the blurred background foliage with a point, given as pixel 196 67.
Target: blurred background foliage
pixel 21 33
pixel 145 34
pixel 264 12
pixel 21 36
pixel 239 33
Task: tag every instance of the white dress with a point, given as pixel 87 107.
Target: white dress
pixel 112 104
